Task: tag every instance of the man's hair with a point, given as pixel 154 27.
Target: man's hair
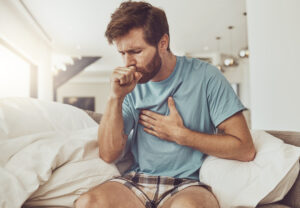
pixel 143 15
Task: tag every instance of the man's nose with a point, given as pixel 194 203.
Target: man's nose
pixel 129 60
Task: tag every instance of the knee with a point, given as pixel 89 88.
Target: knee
pixel 191 201
pixel 85 200
pixel 186 203
pixel 89 200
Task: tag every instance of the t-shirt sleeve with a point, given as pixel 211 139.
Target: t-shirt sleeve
pixel 222 100
pixel 128 117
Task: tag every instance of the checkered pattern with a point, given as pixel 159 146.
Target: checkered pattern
pixel 154 190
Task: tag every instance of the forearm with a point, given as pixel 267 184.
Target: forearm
pixel 236 142
pixel 111 138
pixel 219 145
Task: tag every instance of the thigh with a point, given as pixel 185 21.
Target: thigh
pixel 109 194
pixel 192 197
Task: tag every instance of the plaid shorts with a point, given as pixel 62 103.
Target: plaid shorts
pixel 153 191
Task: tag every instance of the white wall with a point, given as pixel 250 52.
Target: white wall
pixel 98 90
pixel 274 43
pixel 240 75
pixel 15 29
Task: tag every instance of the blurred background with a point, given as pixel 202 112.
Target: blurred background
pixel 55 50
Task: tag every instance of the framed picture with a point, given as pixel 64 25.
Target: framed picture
pixel 85 103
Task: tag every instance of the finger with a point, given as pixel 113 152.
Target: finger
pixel 123 80
pixel 129 75
pixel 122 76
pixel 150 131
pixel 172 105
pixel 116 76
pixel 130 68
pixel 147 119
pixel 147 125
pixel 123 72
pixel 151 114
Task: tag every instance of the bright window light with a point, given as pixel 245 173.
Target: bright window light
pixel 14 75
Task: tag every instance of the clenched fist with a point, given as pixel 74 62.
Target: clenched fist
pixel 124 80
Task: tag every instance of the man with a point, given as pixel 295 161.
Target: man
pixel 171 107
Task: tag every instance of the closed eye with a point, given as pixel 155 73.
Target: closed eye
pixel 135 51
pixel 130 52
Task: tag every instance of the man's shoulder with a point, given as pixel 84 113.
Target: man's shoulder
pixel 199 68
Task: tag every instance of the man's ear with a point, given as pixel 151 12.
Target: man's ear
pixel 164 43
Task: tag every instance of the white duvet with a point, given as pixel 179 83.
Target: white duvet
pixel 50 167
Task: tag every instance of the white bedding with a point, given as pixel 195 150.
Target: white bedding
pixel 49 166
pixel 49 156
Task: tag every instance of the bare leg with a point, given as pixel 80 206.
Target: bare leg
pixel 109 195
pixel 192 197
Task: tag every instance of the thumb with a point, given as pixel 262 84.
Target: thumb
pixel 137 76
pixel 172 106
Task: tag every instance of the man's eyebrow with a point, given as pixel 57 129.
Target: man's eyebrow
pixel 131 50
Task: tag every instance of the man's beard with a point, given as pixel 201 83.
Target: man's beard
pixel 151 69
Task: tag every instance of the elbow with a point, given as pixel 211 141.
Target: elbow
pixel 105 154
pixel 106 158
pixel 249 154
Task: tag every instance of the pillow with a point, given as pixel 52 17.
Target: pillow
pixel 266 179
pixel 71 180
pixel 24 116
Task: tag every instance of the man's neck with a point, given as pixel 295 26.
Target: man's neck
pixel 168 63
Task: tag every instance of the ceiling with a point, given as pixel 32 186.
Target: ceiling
pixel 76 27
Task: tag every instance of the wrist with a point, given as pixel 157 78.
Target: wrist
pixel 115 101
pixel 116 98
pixel 181 135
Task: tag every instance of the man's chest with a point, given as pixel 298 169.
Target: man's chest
pixel 191 103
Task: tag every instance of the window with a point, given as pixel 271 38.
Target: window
pixel 15 75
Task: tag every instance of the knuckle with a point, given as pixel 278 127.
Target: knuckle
pixel 127 74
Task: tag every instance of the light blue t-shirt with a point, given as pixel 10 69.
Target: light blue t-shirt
pixel 204 99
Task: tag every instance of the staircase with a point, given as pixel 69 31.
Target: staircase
pixel 61 77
